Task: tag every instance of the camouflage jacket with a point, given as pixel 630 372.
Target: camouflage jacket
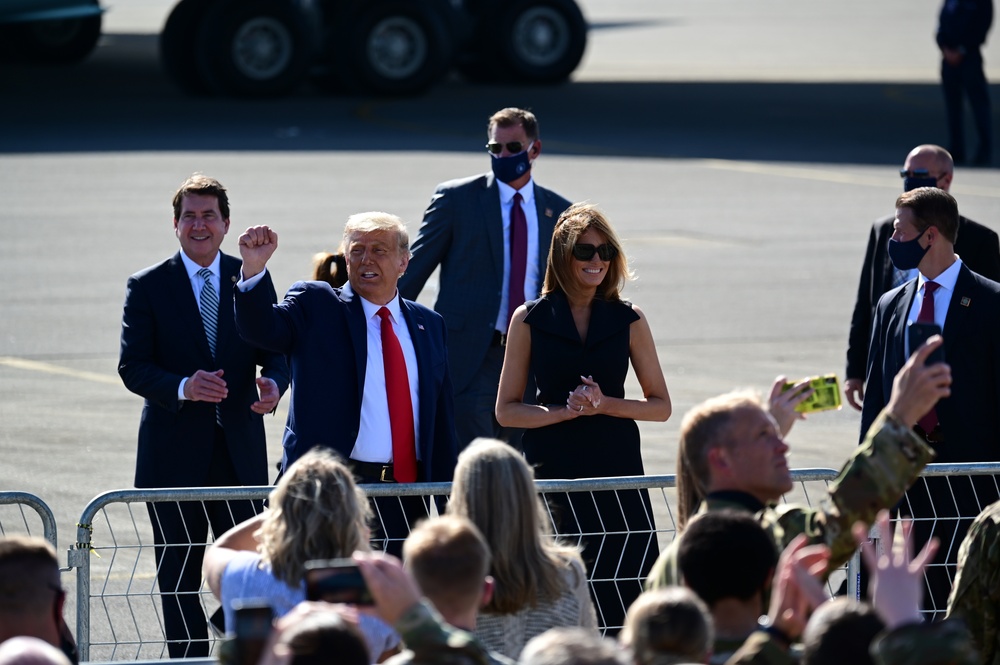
pixel 431 641
pixel 874 477
pixel 975 595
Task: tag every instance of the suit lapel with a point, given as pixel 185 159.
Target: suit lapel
pixel 489 204
pixel 902 310
pixel 417 327
pixel 546 215
pixel 225 326
pixel 357 324
pixel 962 301
pixel 185 307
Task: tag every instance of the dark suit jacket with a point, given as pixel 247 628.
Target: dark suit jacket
pixel 462 231
pixel 163 340
pixel 970 417
pixel 324 333
pixel 978 246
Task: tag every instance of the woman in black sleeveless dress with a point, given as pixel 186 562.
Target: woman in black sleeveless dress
pixel 577 342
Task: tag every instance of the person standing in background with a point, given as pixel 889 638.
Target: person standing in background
pixel 962 28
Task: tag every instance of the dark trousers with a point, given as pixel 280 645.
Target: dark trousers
pixel 475 405
pixel 180 531
pixel 618 536
pixel 967 78
pixel 944 508
pixel 394 516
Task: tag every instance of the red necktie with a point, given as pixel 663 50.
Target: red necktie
pixel 926 315
pixel 518 257
pixel 397 392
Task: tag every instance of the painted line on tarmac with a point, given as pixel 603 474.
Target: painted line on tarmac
pixel 48 368
pixel 823 175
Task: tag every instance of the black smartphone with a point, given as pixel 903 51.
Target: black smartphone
pixel 336 581
pixel 918 333
pixel 254 620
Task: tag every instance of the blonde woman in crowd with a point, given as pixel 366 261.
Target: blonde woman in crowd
pixel 315 512
pixel 539 583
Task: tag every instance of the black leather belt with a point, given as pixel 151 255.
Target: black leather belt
pixel 936 435
pixel 499 339
pixel 372 471
pixel 376 472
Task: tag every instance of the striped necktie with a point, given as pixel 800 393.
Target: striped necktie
pixel 208 303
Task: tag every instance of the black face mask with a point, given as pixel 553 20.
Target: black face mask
pixel 907 254
pixel 918 181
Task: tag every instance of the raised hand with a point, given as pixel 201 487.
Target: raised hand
pixel 257 245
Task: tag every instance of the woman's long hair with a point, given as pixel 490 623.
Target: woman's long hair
pixel 316 512
pixel 495 488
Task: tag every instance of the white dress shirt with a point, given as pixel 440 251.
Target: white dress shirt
pixel 374 442
pixel 531 276
pixel 942 297
pixel 197 284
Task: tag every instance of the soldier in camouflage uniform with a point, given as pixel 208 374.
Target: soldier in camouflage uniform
pixel 732 456
pixel 975 595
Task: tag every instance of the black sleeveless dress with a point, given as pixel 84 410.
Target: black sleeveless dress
pixel 621 544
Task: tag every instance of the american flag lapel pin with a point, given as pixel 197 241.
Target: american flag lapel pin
pixel 965 301
pixel 548 212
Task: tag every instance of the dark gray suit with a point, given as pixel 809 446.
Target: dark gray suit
pixel 462 231
pixel 969 418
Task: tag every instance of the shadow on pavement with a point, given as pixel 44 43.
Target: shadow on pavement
pixel 119 100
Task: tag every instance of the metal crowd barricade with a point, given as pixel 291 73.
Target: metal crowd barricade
pixel 976 481
pixel 119 616
pixel 21 523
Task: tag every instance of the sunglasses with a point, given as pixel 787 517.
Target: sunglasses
pixel 513 147
pixel 584 252
pixel 915 173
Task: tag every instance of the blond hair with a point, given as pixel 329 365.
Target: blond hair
pixel 528 567
pixel 449 559
pixel 315 512
pixel 706 426
pixel 666 626
pixel 370 222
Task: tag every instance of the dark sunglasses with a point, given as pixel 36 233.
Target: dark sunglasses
pixel 513 147
pixel 915 173
pixel 584 252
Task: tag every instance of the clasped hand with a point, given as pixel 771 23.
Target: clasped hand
pixel 586 399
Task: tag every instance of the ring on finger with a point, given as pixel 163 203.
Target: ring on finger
pixel 580 409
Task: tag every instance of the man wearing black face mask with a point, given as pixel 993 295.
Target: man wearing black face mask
pixel 490 234
pixel 979 247
pixel 964 427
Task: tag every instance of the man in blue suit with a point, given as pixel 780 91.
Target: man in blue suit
pixel 341 344
pixel 964 427
pixel 490 234
pixel 202 422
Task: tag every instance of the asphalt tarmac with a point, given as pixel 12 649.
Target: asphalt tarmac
pixel 741 149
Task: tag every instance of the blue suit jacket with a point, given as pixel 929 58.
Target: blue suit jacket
pixel 970 417
pixel 462 231
pixel 324 334
pixel 163 340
